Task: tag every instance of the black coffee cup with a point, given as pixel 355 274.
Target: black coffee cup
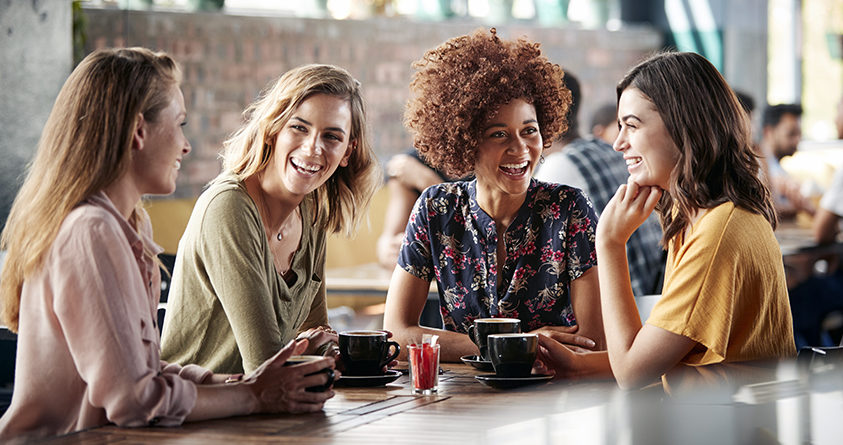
pixel 512 355
pixel 298 359
pixel 365 353
pixel 482 327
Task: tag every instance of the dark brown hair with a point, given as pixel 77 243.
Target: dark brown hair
pixel 712 132
pixel 463 82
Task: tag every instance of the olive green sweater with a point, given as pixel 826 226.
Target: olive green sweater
pixel 228 309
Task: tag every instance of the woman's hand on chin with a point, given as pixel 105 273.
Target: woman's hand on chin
pixel 626 211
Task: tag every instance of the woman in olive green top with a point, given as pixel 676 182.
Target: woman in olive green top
pixel 249 270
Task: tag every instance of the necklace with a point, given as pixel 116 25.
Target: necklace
pixel 290 220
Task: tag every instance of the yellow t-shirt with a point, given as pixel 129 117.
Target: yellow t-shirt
pixel 725 289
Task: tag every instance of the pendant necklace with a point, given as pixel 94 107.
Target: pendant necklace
pixel 280 235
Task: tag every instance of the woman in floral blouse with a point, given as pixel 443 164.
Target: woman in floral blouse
pixel 502 244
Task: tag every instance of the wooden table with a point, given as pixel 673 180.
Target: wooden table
pixel 793 407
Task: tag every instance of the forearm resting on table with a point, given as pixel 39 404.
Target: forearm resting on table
pixel 594 365
pixel 218 401
pixel 453 345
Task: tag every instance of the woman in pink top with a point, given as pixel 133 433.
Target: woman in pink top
pixel 80 282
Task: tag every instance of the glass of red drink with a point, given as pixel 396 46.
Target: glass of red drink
pixel 424 368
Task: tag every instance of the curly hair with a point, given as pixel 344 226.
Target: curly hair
pixel 463 82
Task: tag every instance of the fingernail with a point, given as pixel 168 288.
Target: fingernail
pixel 591 343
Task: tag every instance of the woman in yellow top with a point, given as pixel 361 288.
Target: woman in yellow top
pixel 686 142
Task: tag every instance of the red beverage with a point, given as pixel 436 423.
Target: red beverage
pixel 424 368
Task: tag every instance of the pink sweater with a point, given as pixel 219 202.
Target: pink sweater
pixel 88 348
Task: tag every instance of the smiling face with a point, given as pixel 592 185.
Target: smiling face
pixel 157 164
pixel 646 145
pixel 509 149
pixel 312 144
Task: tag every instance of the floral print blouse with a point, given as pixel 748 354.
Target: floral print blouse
pixel 548 244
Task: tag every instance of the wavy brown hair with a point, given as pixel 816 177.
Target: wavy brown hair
pixel 707 123
pixel 463 82
pixel 342 201
pixel 84 148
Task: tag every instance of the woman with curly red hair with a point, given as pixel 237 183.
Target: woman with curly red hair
pixel 502 244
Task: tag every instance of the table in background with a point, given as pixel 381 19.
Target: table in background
pixel 364 288
pixel 804 257
pixel 793 407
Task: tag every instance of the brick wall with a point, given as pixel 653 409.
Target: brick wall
pixel 227 60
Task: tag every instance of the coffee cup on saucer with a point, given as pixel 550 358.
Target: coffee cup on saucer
pixel 482 327
pixel 513 354
pixel 365 353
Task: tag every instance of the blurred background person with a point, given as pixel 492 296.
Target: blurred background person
pixel 781 133
pixel 604 123
pixel 592 166
pixel 407 177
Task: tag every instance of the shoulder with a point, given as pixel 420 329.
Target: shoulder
pixel 732 229
pixel 226 199
pixel 85 228
pixel 450 191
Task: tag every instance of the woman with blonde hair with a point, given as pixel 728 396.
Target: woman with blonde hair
pixel 80 282
pixel 249 272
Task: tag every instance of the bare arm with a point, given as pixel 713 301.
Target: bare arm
pixel 638 355
pixel 585 299
pixel 404 304
pixel 412 173
pixel 825 226
pixel 401 200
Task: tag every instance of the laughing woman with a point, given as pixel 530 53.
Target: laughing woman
pixel 249 274
pixel 80 282
pixel 503 244
pixel 687 143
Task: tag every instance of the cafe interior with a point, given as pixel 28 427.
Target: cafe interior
pixel 773 51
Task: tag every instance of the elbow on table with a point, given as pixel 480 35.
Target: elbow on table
pixel 164 400
pixel 631 379
pixel 137 417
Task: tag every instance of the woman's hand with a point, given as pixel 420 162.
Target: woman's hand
pixel 553 358
pixel 317 337
pixel 281 389
pixel 566 335
pixel 626 211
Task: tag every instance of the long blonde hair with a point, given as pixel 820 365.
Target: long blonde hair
pixel 344 198
pixel 85 147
